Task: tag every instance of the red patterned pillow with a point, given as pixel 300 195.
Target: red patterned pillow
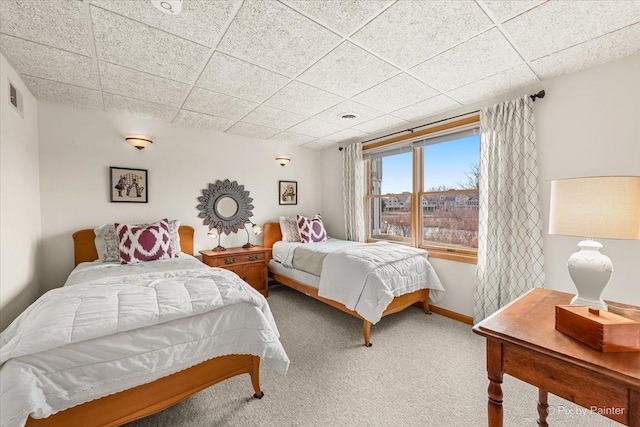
pixel 140 244
pixel 311 229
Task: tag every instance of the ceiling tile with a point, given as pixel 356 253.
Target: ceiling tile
pixel 505 9
pixel 603 49
pixel 301 98
pixel 397 92
pixel 348 70
pixel 191 118
pixel 480 57
pixel 251 130
pixel 411 31
pixel 201 21
pixel 430 107
pixel 48 90
pixel 232 76
pixel 315 128
pixel 332 115
pixel 136 84
pixel 379 124
pixel 557 25
pixel 319 144
pixel 292 138
pixel 217 104
pixel 135 107
pixel 49 63
pixel 495 85
pixel 272 117
pixel 260 25
pixel 125 42
pixel 343 16
pixel 59 24
pixel 345 134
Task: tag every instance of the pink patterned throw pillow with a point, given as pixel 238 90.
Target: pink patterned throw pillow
pixel 140 244
pixel 311 229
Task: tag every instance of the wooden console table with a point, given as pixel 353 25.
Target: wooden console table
pixel 522 341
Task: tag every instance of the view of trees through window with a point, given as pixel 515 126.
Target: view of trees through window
pixel 449 200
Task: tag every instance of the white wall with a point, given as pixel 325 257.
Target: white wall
pixel 587 125
pixel 19 199
pixel 77 147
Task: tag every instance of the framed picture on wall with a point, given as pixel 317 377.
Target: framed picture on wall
pixel 288 192
pixel 129 185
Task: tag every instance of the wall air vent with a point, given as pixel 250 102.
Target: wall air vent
pixel 15 99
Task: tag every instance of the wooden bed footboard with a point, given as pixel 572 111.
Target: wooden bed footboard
pixel 147 399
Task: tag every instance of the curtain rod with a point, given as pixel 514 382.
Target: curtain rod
pixel 533 97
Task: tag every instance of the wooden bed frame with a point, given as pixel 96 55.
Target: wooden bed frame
pixel 272 234
pixel 147 399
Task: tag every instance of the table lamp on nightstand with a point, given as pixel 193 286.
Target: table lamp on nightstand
pixel 256 230
pixel 214 233
pixel 594 207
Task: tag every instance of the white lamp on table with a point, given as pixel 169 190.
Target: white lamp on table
pixel 595 207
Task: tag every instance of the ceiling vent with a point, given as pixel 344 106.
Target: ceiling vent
pixel 170 7
pixel 348 116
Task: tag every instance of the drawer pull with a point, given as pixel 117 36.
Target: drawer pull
pixel 253 257
pixel 230 260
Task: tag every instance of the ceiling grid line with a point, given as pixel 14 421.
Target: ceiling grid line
pixel 230 19
pixel 94 50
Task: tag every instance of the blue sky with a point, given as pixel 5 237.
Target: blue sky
pixel 444 164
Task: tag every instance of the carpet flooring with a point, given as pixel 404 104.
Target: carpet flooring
pixel 423 370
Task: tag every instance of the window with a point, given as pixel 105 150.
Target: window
pixel 424 192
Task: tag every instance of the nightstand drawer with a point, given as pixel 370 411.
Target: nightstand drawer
pixel 232 259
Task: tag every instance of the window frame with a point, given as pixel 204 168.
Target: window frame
pixel 469 256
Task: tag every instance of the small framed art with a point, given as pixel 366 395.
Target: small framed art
pixel 129 185
pixel 288 192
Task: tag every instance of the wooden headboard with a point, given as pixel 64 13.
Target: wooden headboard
pixel 272 233
pixel 84 246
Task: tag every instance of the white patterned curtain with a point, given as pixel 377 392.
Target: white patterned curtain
pixel 353 192
pixel 510 259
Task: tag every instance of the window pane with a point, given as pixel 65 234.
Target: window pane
pixel 450 218
pixel 390 218
pixel 392 174
pixel 452 165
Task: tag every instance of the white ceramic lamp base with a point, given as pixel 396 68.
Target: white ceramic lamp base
pixel 590 271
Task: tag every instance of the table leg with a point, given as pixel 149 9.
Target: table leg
pixel 543 407
pixel 494 372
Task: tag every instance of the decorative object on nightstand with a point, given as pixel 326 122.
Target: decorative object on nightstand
pixel 256 231
pixel 606 332
pixel 250 264
pixel 215 233
pixel 600 207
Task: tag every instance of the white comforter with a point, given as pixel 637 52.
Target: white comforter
pixel 367 277
pixel 108 334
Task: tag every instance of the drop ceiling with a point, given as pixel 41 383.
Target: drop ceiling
pixel 287 70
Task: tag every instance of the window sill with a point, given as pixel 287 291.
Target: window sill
pixel 452 256
pixel 438 253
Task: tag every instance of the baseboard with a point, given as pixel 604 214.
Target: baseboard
pixel 450 314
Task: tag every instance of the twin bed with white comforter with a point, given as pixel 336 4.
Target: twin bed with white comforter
pixel 116 327
pixel 368 281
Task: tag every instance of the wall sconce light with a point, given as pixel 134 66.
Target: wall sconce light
pixel 256 230
pixel 139 141
pixel 214 233
pixel 282 159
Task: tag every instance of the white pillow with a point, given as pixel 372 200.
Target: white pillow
pixel 289 229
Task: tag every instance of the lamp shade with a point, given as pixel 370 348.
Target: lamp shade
pixel 596 207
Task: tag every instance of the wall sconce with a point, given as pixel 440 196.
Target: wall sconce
pixel 282 159
pixel 214 233
pixel 256 230
pixel 139 141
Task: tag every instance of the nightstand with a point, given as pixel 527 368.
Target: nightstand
pixel 250 264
